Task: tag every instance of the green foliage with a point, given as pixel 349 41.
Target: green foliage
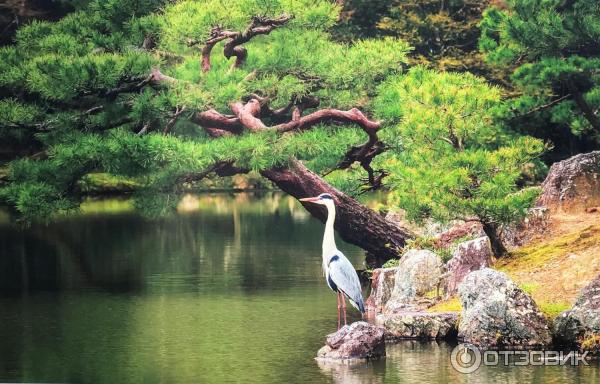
pixel 81 92
pixel 391 263
pixel 554 51
pixel 453 162
pixel 59 77
pixel 443 33
pixel 75 63
pixel 18 119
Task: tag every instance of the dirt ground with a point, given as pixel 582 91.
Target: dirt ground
pixel 558 262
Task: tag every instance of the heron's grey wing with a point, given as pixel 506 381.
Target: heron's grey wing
pixel 343 274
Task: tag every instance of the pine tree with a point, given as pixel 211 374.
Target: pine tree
pixel 170 93
pixel 450 161
pixel 554 49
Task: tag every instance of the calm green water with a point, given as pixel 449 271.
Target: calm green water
pixel 228 290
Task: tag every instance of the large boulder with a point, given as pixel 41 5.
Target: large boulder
pixel 573 184
pixel 417 281
pixel 582 323
pixel 382 285
pixel 468 257
pixel 419 325
pixel 359 340
pixel 496 313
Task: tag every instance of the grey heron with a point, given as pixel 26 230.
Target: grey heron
pixel 339 273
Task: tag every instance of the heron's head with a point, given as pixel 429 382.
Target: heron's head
pixel 323 199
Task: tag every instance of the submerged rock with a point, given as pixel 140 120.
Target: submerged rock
pixel 382 285
pixel 573 184
pixel 468 257
pixel 581 324
pixel 419 325
pixel 359 340
pixel 496 313
pixel 417 277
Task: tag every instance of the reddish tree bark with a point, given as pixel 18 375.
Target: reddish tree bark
pixel 356 223
pixel 234 46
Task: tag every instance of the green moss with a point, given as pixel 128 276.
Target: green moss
pixel 106 183
pixel 549 309
pixel 539 254
pixel 529 288
pixel 391 263
pixel 553 309
pixel 433 294
pixel 450 305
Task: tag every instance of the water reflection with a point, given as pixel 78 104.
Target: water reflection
pixel 228 290
pixel 218 241
pixel 361 372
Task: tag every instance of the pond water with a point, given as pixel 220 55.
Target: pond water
pixel 228 290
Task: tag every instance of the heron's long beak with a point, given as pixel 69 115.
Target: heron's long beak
pixel 310 199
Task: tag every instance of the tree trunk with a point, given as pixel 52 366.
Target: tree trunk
pixel 355 223
pixel 491 230
pixel 583 105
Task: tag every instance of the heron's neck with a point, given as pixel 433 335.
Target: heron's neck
pixel 329 247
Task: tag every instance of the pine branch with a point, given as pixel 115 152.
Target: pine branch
pixel 258 26
pixel 544 106
pixel 220 168
pixel 173 119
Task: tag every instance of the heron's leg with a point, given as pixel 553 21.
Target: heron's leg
pixel 338 309
pixel 344 307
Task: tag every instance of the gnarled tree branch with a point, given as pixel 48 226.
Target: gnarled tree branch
pixel 259 25
pixel 329 115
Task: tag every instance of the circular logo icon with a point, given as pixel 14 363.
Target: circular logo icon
pixel 465 358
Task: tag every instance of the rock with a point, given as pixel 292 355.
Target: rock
pixel 459 230
pixel 573 184
pixel 419 325
pixel 581 323
pixel 468 257
pixel 382 284
pixel 396 217
pixel 496 313
pixel 359 340
pixel 535 223
pixel 417 276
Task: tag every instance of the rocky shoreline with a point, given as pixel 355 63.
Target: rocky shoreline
pixel 495 312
